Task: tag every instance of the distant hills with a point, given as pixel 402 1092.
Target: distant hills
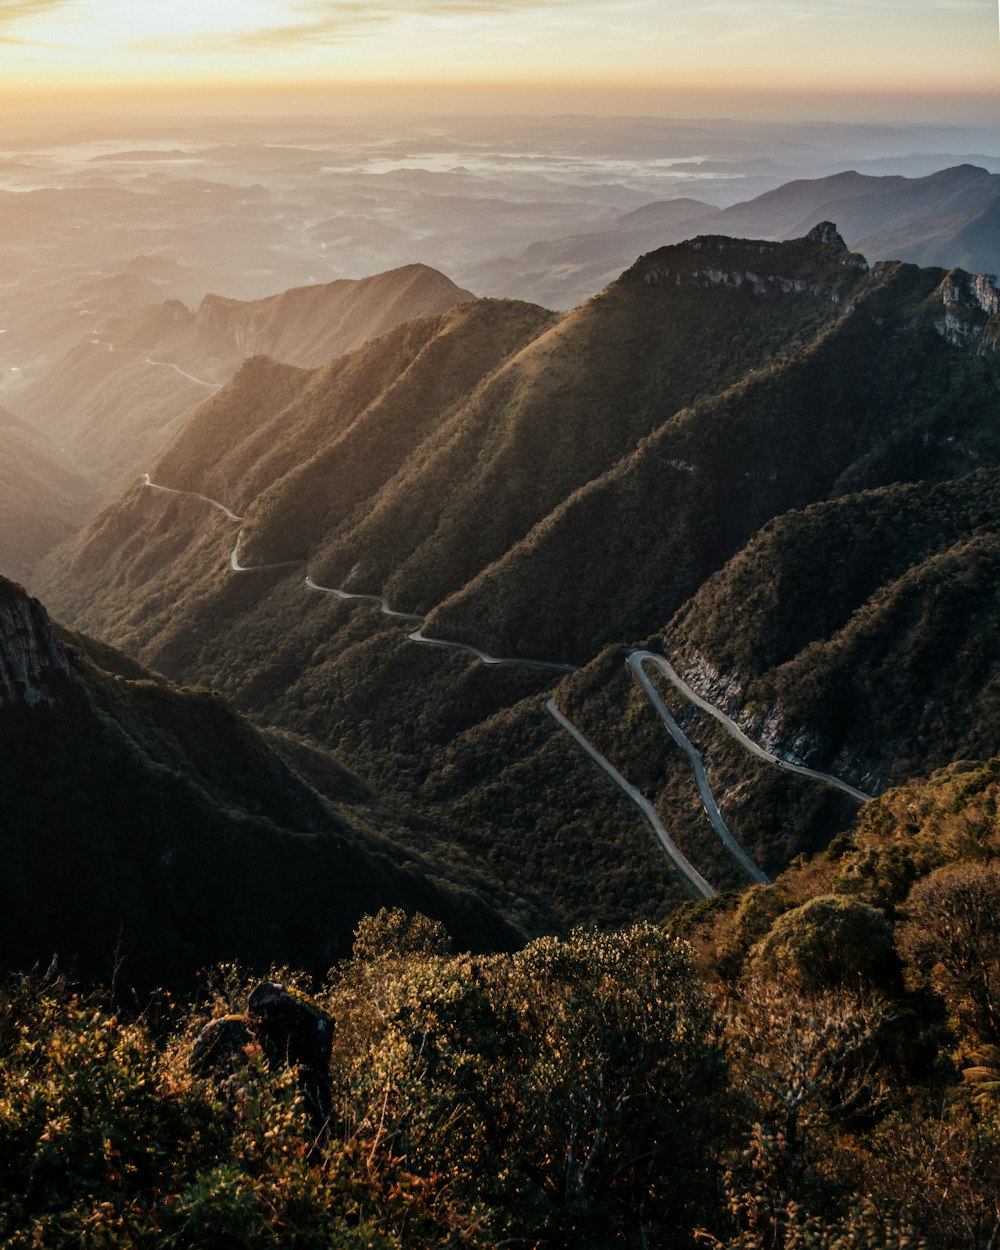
pixel 115 398
pixel 42 500
pixel 727 415
pixel 948 218
pixel 149 824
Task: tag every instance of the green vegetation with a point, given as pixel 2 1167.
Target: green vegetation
pixel 154 826
pixel 627 1089
pixel 868 621
pixel 769 462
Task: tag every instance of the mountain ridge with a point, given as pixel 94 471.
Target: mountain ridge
pixel 150 823
pixel 929 220
pixel 579 489
pixel 159 359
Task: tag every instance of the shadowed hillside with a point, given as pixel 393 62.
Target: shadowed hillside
pixel 42 500
pixel 153 824
pixel 559 488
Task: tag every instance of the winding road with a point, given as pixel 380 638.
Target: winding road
pixel 234 560
pixel 484 658
pixel 643 804
pixel 347 594
pixel 169 490
pixel 730 726
pixel 636 661
pixel 165 364
pixel 161 364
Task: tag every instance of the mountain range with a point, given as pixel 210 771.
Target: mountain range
pixel 492 775
pixel 116 396
pixel 948 218
pixel 642 471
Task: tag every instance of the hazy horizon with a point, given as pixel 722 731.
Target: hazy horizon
pixel 769 60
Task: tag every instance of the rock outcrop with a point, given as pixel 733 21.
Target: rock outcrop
pixel 818 277
pixel 971 302
pixel 826 232
pixel 29 650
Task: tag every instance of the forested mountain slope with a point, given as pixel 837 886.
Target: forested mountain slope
pixel 117 396
pixel 879 395
pixel 558 488
pixel 147 823
pixel 871 618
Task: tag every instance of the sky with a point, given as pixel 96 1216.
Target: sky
pixel 932 58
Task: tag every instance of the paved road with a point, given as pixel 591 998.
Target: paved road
pixel 485 658
pixel 168 490
pixel 165 364
pixel 644 805
pixel 234 561
pixel 347 594
pixel 730 726
pixel 636 660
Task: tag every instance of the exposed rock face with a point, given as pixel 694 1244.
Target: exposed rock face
pixel 986 293
pixel 772 284
pixel 757 280
pixel 825 232
pixel 970 303
pixel 771 728
pixel 29 649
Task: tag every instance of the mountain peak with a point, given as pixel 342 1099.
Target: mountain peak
pixel 964 172
pixel 29 650
pixel 826 232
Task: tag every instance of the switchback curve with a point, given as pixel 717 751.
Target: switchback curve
pixel 636 660
pixel 643 804
pixel 734 731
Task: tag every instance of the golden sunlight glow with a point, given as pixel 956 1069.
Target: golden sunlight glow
pixel 756 46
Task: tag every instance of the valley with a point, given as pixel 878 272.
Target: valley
pixel 620 469
pixel 618 612
pixel 636 660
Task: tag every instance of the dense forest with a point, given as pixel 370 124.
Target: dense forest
pixel 770 462
pixel 811 1065
pixel 493 1013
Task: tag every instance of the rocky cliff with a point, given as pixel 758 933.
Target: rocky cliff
pixel 29 650
pixel 972 311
